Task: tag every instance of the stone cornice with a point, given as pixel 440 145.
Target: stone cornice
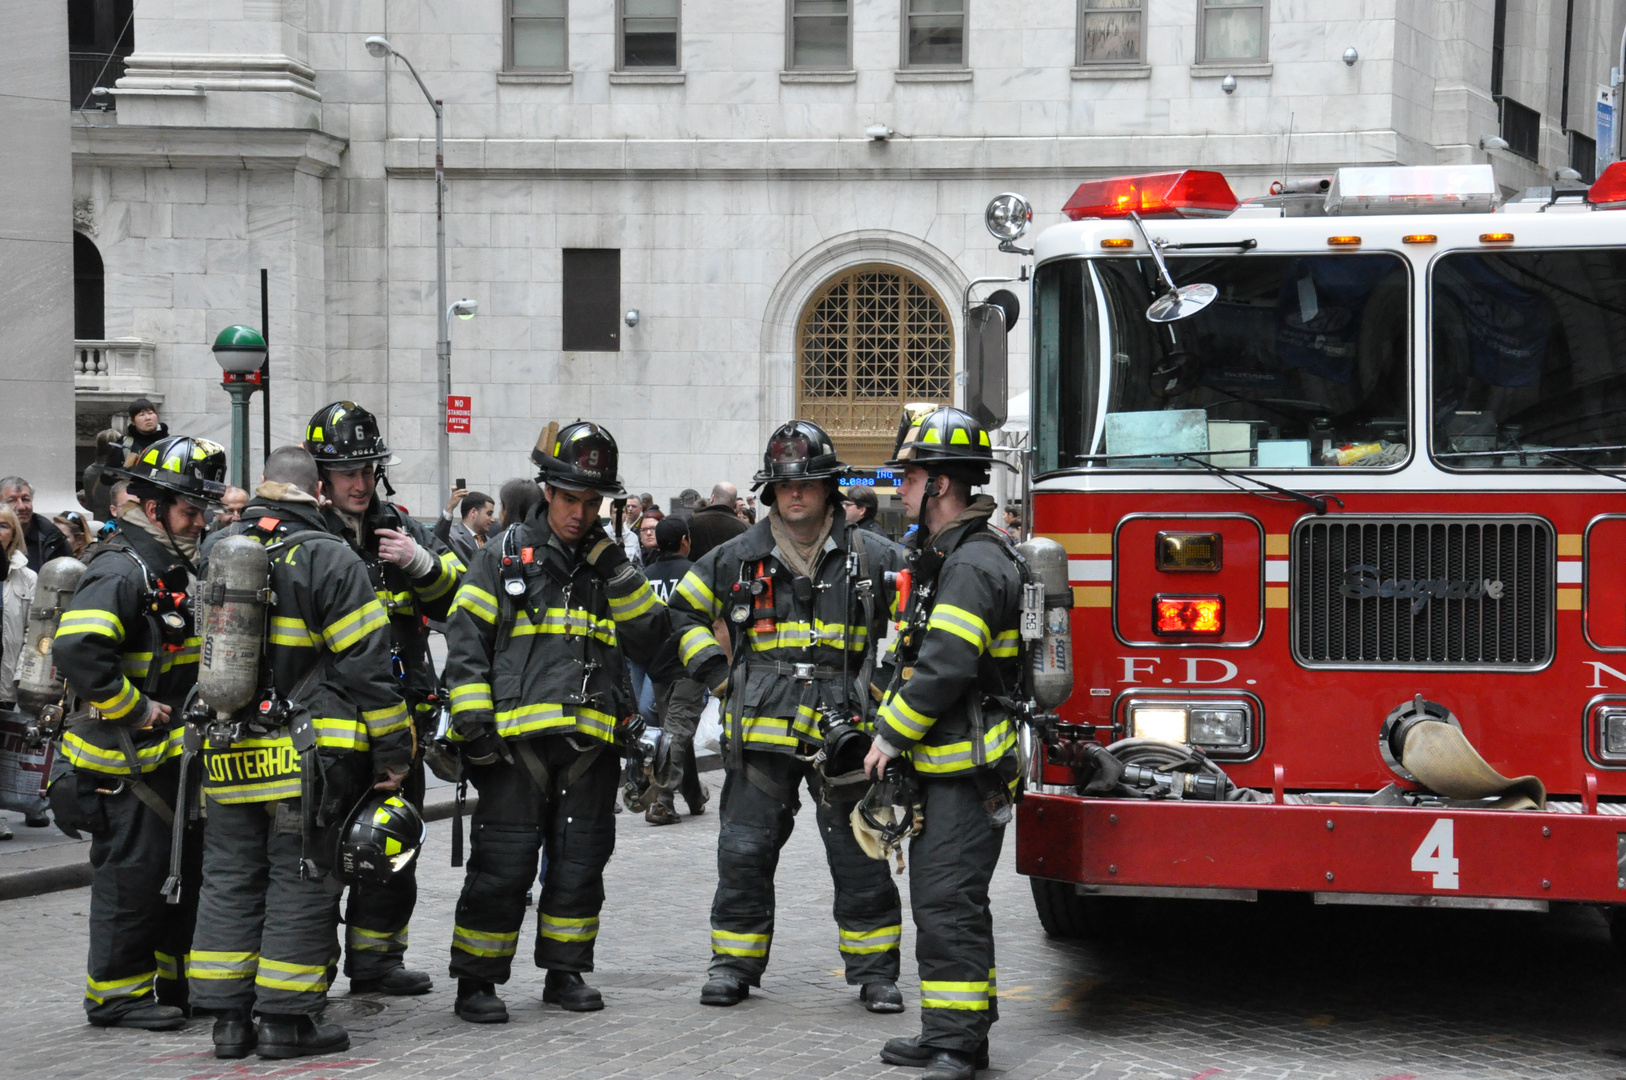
pixel 898 158
pixel 300 149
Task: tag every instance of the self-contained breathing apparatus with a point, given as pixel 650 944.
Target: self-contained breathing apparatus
pixel 42 692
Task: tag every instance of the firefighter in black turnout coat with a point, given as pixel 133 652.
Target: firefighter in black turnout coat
pixel 414 575
pixel 806 600
pixel 945 713
pixel 540 695
pixel 128 645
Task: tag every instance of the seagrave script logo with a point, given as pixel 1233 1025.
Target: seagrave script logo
pixel 1362 583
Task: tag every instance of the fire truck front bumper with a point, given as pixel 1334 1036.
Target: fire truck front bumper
pixel 1344 853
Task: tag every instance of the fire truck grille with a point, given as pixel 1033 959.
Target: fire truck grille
pixel 1438 593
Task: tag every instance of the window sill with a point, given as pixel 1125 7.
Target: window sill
pixel 1241 70
pixel 929 75
pixel 818 76
pixel 535 78
pixel 646 78
pixel 1112 71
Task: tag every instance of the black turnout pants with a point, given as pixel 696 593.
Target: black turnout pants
pixel 678 705
pixel 513 821
pixel 755 826
pixel 951 864
pixel 138 940
pixel 376 916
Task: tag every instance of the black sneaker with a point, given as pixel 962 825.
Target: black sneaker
pixel 724 990
pixel 299 1036
pixel 234 1034
pixel 398 981
pixel 478 1003
pixel 908 1052
pixel 568 990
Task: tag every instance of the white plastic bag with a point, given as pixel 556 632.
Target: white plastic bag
pixel 708 734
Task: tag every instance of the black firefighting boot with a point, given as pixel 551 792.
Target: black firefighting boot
pixel 567 990
pixel 662 812
pixel 149 1017
pixel 478 1003
pixel 948 1065
pixel 398 981
pixel 697 798
pixel 234 1034
pixel 299 1036
pixel 881 997
pixel 909 1053
pixel 723 989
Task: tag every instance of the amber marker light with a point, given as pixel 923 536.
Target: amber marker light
pixel 1117 242
pixel 1344 241
pixel 1496 238
pixel 1188 615
pixel 1420 238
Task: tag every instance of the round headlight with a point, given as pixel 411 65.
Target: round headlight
pixel 1008 216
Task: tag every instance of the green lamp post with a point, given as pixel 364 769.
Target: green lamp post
pixel 240 352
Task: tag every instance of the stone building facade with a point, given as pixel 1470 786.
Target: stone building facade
pixel 794 188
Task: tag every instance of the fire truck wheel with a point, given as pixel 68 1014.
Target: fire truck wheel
pixel 1065 914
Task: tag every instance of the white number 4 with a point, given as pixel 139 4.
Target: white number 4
pixel 1435 855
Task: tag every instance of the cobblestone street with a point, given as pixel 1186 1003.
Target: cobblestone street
pixel 1275 989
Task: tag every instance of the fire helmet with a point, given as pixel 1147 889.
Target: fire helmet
pixel 946 440
pixel 380 838
pixel 579 457
pixel 192 469
pixel 344 435
pixel 798 450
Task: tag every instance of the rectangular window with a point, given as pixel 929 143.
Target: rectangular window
pixel 1231 30
pixel 649 33
pixel 592 300
pixel 820 35
pixel 934 33
pixel 1109 31
pixel 1584 156
pixel 537 39
pixel 1521 127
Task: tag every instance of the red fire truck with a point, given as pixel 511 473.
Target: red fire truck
pixel 1341 477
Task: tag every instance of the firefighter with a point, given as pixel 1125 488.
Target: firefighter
pixel 943 714
pixel 128 646
pixel 414 575
pixel 805 600
pixel 536 670
pixel 268 913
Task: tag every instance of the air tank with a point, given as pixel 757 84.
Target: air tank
pixel 234 599
pixel 38 682
pixel 1051 666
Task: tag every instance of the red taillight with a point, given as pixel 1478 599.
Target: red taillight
pixel 1192 193
pixel 1609 191
pixel 1188 614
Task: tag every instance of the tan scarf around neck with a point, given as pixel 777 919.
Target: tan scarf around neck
pixel 800 557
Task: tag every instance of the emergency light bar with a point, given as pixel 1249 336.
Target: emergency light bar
pixel 1609 192
pixel 1190 193
pixel 1414 189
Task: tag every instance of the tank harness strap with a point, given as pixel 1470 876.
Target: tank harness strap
pixel 140 787
pixel 767 784
pixel 527 755
pixel 171 891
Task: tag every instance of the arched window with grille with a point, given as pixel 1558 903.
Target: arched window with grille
pixel 870 340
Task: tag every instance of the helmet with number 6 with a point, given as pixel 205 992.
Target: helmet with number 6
pixel 579 457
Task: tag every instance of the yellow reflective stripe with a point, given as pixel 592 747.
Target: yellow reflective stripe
pixel 99 990
pixel 120 704
pixel 381 722
pixel 961 623
pixel 548 716
pixel 338 734
pixel 694 641
pixel 885 939
pixel 1006 644
pixel 801 635
pixel 168 968
pixel 575 621
pixel 993 987
pixel 451 568
pixel 358 939
pixel 270 791
pixel 91 621
pixel 201 964
pixel 956 757
pixel 353 627
pixel 642 599
pixel 291 632
pixel 87 755
pixel 280 975
pixel 699 595
pixel 471 696
pixel 954 995
pixel 476 602
pixel 731 944
pixel 483 942
pixel 557 929
pixel 778 731
pixel 901 715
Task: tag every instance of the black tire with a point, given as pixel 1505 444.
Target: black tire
pixel 1065 914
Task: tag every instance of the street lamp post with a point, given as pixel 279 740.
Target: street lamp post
pixel 240 352
pixel 379 47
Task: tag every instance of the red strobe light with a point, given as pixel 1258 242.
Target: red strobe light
pixel 1188 615
pixel 1609 192
pixel 1191 193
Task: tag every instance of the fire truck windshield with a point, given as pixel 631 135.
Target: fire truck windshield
pixel 1528 364
pixel 1301 362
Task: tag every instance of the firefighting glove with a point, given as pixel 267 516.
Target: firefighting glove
pixel 713 675
pixel 485 748
pixel 607 558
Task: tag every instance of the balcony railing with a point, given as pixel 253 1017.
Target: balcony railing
pixel 114 369
pixel 86 71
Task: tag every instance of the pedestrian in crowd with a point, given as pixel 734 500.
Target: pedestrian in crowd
pixel 16 593
pixel 518 500
pixel 716 522
pixel 231 508
pixel 958 672
pixel 144 430
pixel 128 646
pixel 267 933
pixel 861 508
pixel 538 717
pixel 414 575
pixel 804 619
pixel 631 515
pixel 745 512
pixel 1013 523
pixel 648 550
pixel 43 540
pixel 643 687
pixel 74 526
pixel 93 493
pixel 678 698
pixel 467 534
